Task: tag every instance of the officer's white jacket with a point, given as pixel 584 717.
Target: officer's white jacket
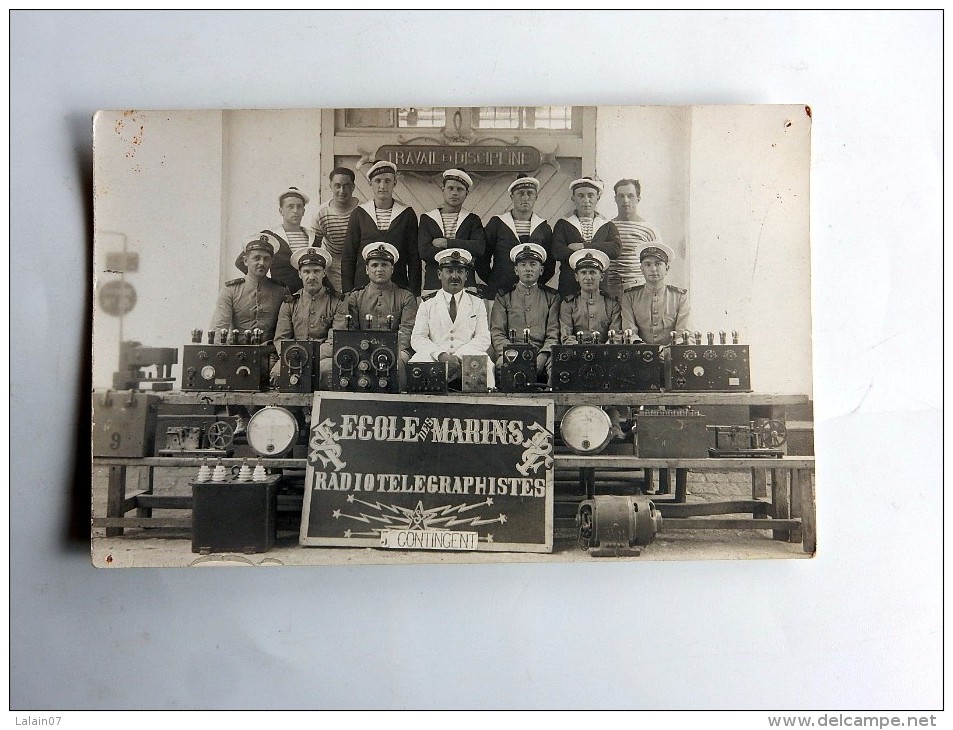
pixel 434 332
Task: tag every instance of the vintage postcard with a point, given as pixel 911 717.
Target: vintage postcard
pixel 452 334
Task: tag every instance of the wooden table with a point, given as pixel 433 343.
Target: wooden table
pixel 788 512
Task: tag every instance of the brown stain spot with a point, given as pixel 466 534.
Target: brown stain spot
pixel 109 559
pixel 807 110
pixel 787 124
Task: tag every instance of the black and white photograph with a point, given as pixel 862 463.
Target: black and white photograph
pixel 452 333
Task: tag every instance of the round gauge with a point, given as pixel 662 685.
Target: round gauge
pixel 382 358
pixel 272 431
pixel 295 356
pixel 648 356
pixel 208 372
pixel 730 354
pixel 709 354
pixel 586 429
pixel 346 358
pixel 691 355
pixel 698 371
pixel 510 355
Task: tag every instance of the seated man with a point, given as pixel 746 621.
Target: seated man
pixel 252 301
pixel 527 305
pixel 450 226
pixel 590 310
pixel 371 305
pixel 312 312
pixel 656 309
pixel 452 322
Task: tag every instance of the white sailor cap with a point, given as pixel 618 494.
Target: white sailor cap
pixel 380 167
pixel 310 255
pixel 527 251
pixel 293 192
pixel 657 249
pixel 586 182
pixel 453 257
pixel 459 176
pixel 380 250
pixel 523 182
pixel 588 258
pixel 261 242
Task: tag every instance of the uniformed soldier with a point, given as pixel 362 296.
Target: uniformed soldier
pixel 382 298
pixel 591 310
pixel 655 308
pixel 527 305
pixel 452 322
pixel 449 226
pixel 252 302
pixel 313 312
pixel 583 228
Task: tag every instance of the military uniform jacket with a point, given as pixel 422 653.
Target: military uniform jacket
pixel 281 269
pixel 401 234
pixel 469 236
pixel 390 299
pixel 655 314
pixel 247 305
pixel 597 313
pixel 303 317
pixel 495 267
pixel 568 230
pixel 519 308
pixel 434 331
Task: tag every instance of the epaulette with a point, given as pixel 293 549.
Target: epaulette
pixel 233 282
pixel 431 295
pixel 677 289
pixel 633 288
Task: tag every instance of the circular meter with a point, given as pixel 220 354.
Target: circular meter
pixel 586 429
pixel 272 431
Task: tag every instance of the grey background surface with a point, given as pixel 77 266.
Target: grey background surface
pixel 859 626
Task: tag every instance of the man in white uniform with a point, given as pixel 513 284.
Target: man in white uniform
pixel 452 322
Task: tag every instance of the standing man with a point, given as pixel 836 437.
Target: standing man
pixel 382 219
pixel 507 230
pixel 625 271
pixel 289 237
pixel 449 226
pixel 584 228
pixel 330 224
pixel 655 308
pixel 252 301
pixel 527 305
pixel 315 310
pixel 452 322
pixel 590 310
pixel 371 305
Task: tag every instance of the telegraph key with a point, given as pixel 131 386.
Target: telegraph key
pixel 365 360
pixel 754 440
pixel 618 366
pixel 709 367
pixel 517 373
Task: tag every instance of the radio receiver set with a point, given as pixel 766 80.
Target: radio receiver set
pixel 517 371
pixel 365 361
pixel 238 362
pixel 599 368
pixel 709 367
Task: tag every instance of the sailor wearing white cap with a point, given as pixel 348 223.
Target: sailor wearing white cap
pixel 382 218
pixel 527 305
pixel 590 310
pixel 315 310
pixel 382 304
pixel 252 301
pixel 655 308
pixel 452 322
pixel 449 226
pixel 507 230
pixel 584 228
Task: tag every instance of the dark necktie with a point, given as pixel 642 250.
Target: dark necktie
pixel 453 309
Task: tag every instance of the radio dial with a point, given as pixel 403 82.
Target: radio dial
pixel 691 355
pixel 203 355
pixel 221 355
pixel 710 354
pixel 208 372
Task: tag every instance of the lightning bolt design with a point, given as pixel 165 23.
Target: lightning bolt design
pixel 385 516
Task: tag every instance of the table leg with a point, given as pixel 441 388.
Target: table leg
pixel 664 482
pixel 759 483
pixel 681 485
pixel 649 480
pixel 780 500
pixel 145 485
pixel 116 497
pixel 587 476
pixel 805 499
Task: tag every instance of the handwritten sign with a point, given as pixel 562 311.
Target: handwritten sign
pixel 429 473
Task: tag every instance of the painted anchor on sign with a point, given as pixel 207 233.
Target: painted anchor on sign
pixel 539 449
pixel 325 446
